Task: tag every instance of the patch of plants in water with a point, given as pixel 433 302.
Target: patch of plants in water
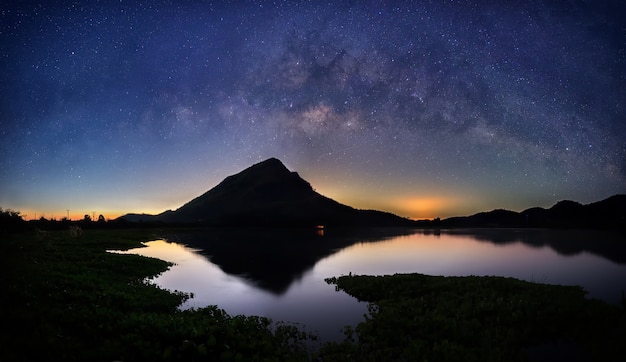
pixel 420 317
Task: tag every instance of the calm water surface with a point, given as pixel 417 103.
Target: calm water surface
pixel 287 284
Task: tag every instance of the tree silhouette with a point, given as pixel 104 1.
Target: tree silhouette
pixel 11 221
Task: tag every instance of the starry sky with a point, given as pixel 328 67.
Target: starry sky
pixel 425 109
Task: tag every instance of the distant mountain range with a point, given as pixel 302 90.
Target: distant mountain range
pixel 608 213
pixel 268 194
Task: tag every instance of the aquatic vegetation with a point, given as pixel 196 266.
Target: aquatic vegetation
pixel 420 317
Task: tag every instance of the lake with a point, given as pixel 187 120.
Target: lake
pixel 280 273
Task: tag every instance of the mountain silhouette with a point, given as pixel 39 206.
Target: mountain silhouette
pixel 268 194
pixel 608 213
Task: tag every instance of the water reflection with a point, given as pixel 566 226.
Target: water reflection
pixel 280 274
pixel 607 244
pixel 272 259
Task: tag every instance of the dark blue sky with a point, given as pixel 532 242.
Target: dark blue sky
pixel 424 110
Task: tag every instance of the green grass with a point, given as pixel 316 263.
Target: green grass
pixel 420 317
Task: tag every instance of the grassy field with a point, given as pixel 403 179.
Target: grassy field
pixel 65 298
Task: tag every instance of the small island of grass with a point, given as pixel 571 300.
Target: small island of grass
pixel 421 317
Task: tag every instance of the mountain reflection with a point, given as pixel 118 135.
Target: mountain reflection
pixel 271 258
pixel 608 244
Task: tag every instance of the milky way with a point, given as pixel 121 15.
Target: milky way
pixel 422 109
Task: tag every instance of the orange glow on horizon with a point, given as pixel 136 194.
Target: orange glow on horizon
pixel 426 207
pixel 437 205
pixel 30 215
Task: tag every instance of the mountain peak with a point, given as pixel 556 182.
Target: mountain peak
pixel 270 171
pixel 271 165
pixel 272 161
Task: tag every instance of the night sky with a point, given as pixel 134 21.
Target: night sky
pixel 425 110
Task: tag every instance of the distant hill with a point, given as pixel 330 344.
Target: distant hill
pixel 608 213
pixel 268 194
